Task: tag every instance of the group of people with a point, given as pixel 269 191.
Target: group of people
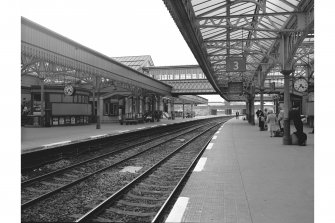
pixel 274 123
pixel 268 120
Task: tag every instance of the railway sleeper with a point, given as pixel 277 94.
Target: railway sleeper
pixel 134 196
pixel 141 191
pixel 130 213
pixel 51 184
pixel 136 204
pixel 156 185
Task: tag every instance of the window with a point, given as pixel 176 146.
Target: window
pixel 194 76
pixel 79 99
pixel 37 97
pixel 164 77
pixel 201 76
pixel 176 76
pixel 158 77
pixel 68 98
pixel 170 76
pixel 55 98
pixel 182 76
pixel 85 99
pixel 188 76
pixel 113 109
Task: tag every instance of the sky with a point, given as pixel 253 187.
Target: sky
pixel 116 28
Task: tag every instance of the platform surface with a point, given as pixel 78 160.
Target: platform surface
pixel 249 177
pixel 39 138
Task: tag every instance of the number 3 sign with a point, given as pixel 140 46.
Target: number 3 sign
pixel 235 64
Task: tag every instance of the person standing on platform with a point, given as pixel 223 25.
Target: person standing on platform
pixel 271 121
pixel 237 114
pixel 261 120
pixel 295 116
pixel 281 120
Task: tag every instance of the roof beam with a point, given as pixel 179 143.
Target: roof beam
pixel 236 40
pixel 233 28
pixel 248 15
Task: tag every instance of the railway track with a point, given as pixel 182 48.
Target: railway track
pixel 43 186
pixel 110 150
pixel 58 184
pixel 146 197
pixel 97 147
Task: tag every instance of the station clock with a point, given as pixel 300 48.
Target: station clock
pixel 68 90
pixel 301 85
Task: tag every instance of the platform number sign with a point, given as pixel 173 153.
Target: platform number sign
pixel 235 64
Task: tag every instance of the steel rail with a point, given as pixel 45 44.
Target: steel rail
pixel 104 143
pixel 32 180
pixel 99 208
pixel 162 210
pixel 43 196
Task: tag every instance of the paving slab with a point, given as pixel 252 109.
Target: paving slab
pixel 251 177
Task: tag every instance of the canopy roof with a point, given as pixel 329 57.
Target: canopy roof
pixel 135 62
pixel 247 29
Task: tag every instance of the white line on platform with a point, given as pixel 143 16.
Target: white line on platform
pixel 210 145
pixel 214 137
pixel 217 132
pixel 178 210
pixel 98 136
pixel 200 165
pixel 153 126
pixel 56 143
pixel 141 128
pixel 164 124
pixel 124 130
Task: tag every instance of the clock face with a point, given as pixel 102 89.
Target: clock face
pixel 68 90
pixel 301 85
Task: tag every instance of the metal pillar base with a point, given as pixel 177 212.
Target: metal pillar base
pixel 98 122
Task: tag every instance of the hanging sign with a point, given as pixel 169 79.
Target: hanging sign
pixel 236 64
pixel 235 87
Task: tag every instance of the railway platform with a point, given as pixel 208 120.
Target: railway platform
pixel 33 139
pixel 246 176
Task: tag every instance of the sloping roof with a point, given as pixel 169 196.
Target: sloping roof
pixel 135 62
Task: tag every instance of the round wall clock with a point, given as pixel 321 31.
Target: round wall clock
pixel 301 85
pixel 68 90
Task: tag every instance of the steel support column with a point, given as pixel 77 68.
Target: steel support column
pixel 247 109
pixel 287 135
pixel 262 98
pixel 252 105
pixel 42 103
pixel 251 110
pixel 183 109
pixel 287 70
pixel 98 125
pixel 93 104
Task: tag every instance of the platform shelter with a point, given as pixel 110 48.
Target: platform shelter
pixel 66 83
pixel 238 44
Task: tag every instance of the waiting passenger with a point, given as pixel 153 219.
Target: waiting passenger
pixel 261 120
pixel 271 121
pixel 281 120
